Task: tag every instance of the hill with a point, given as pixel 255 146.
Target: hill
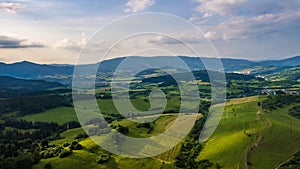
pixel 10 85
pixel 249 136
pixel 293 61
pixel 32 70
pixel 63 73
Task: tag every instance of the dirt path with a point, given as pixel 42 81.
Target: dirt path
pixel 256 143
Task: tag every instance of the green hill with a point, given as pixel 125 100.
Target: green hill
pixel 249 137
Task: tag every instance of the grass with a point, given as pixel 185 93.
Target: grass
pixel 59 115
pixel 228 143
pixel 242 100
pixel 69 136
pixel 77 160
pixel 169 156
pixel 240 127
pixel 86 158
pixel 62 115
pixel 281 140
pixel 248 137
pixel 107 105
pixel 146 163
pixel 161 124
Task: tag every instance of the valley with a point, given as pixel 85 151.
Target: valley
pixel 259 128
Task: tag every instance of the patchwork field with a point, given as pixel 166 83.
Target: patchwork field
pixel 246 137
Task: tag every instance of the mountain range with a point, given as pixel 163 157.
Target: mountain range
pixel 56 72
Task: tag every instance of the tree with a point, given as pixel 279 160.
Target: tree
pixel 122 129
pixel 102 158
pixel 66 152
pixel 44 143
pixel 75 146
pixel 47 166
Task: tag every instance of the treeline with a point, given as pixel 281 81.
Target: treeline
pixel 21 162
pixel 25 136
pixel 191 147
pixel 293 163
pixel 274 102
pixel 13 87
pixel 25 125
pixel 202 75
pixel 295 111
pixel 33 104
pixel 42 126
pixel 12 93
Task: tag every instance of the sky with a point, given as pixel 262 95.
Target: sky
pixel 55 31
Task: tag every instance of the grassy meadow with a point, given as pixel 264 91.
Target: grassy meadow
pixel 246 137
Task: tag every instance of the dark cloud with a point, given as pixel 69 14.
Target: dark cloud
pixel 11 42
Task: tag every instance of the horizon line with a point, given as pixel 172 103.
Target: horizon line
pixel 120 57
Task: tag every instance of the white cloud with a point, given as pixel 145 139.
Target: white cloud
pixel 210 35
pixel 246 19
pixel 222 7
pixel 66 43
pixel 138 5
pixel 241 27
pixel 70 44
pixel 11 7
pixel 207 15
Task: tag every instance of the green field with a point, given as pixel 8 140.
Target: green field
pixel 248 137
pixel 59 115
pixel 280 140
pixel 68 135
pixel 64 114
pixel 141 104
pixel 86 158
pixel 228 144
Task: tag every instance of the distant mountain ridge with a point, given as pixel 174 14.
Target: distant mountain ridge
pixel 293 61
pixel 32 70
pixel 29 70
pixel 10 85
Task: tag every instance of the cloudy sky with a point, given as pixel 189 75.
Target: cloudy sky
pixel 53 31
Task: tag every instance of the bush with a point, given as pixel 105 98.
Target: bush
pixel 103 158
pixel 24 162
pixel 66 144
pixel 47 154
pixel 51 152
pixel 75 146
pixel 122 129
pixel 44 143
pixel 65 153
pixel 81 135
pixel 47 166
pixel 144 125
